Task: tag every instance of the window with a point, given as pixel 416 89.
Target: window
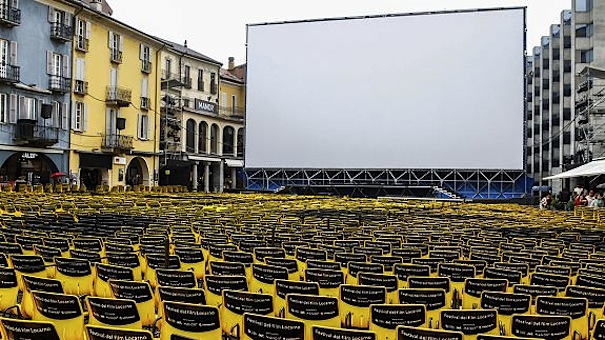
pixel 190 141
pixel 145 56
pixel 228 135
pixel 584 30
pixel 56 64
pixel 200 80
pixel 79 117
pixel 233 105
pixel 116 45
pixel 587 56
pixel 3 108
pixel 187 72
pixel 213 83
pixel 143 127
pixel 202 137
pixel 566 41
pixel 82 35
pixel 168 68
pixel 57 60
pixel 28 108
pixel 583 5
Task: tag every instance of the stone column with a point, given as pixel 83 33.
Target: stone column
pixel 233 178
pixel 206 177
pixel 194 176
pixel 221 176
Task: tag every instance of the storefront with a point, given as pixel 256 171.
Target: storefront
pixel 29 167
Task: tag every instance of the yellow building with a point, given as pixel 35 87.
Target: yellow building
pixel 115 103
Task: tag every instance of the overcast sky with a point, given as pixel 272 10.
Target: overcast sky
pixel 217 28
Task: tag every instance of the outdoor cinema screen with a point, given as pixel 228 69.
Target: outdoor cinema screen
pixel 440 90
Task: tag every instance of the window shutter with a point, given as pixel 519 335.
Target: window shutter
pixel 67 19
pixel 13 53
pixel 12 111
pixel 15 3
pixel 51 14
pixel 87 24
pixel 111 43
pixel 144 86
pixel 139 122
pixel 84 118
pixel 64 116
pixel 120 43
pixel 142 52
pixel 65 66
pixel 56 114
pixel 49 62
pixel 79 69
pixel 38 110
pixel 74 106
pixel 148 126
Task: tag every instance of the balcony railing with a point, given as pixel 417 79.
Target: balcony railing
pixel 115 56
pixel 145 103
pixel 119 142
pixel 186 82
pixel 171 80
pixel 82 43
pixel 59 84
pixel 10 73
pixel 9 15
pixel 237 112
pixel 146 66
pixel 80 87
pixel 29 132
pixel 118 96
pixel 60 31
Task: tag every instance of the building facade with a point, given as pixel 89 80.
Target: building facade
pixel 35 78
pixel 564 126
pixel 199 135
pixel 115 107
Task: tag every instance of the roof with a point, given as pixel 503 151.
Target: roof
pixel 189 52
pixel 593 168
pixel 227 75
pixel 239 72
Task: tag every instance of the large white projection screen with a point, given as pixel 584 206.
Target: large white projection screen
pixel 421 91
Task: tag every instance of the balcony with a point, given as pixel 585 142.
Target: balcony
pixel 171 80
pixel 59 84
pixel 232 112
pixel 146 66
pixel 29 132
pixel 60 31
pixel 186 82
pixel 115 56
pixel 118 96
pixel 81 43
pixel 10 73
pixel 115 143
pixel 9 15
pixel 145 102
pixel 80 87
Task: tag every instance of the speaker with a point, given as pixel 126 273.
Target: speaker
pixel 46 111
pixel 120 123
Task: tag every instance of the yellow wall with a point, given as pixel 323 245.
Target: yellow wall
pixel 231 89
pixel 97 73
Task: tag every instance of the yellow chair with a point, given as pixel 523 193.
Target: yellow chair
pixel 537 326
pixel 599 330
pixel 405 270
pixel 596 301
pixel 471 298
pixel 189 321
pixel 407 332
pixel 543 279
pixel 222 268
pixel 30 265
pixel 214 286
pixel 130 260
pixel 260 253
pixel 75 276
pixel 13 329
pixel 354 268
pixel 103 273
pixel 433 283
pixel 313 310
pixel 457 273
pixel 154 262
pixel 64 311
pixel 113 313
pixel 576 308
pixel 285 287
pixel 389 282
pixel 141 294
pixel 264 276
pixel 328 280
pixel 470 322
pixel 186 295
pixel 104 333
pixel 354 304
pixel 507 305
pixel 9 289
pixel 33 283
pixel 267 327
pixel 175 278
pixel 294 274
pixel 501 337
pixel 384 318
pixel 192 259
pixel 322 333
pixel 236 303
pixel 433 299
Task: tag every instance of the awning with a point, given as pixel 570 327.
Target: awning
pixel 234 163
pixel 203 159
pixel 593 168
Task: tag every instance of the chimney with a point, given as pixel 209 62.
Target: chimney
pixel 231 65
pixel 97 5
pixel 185 44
